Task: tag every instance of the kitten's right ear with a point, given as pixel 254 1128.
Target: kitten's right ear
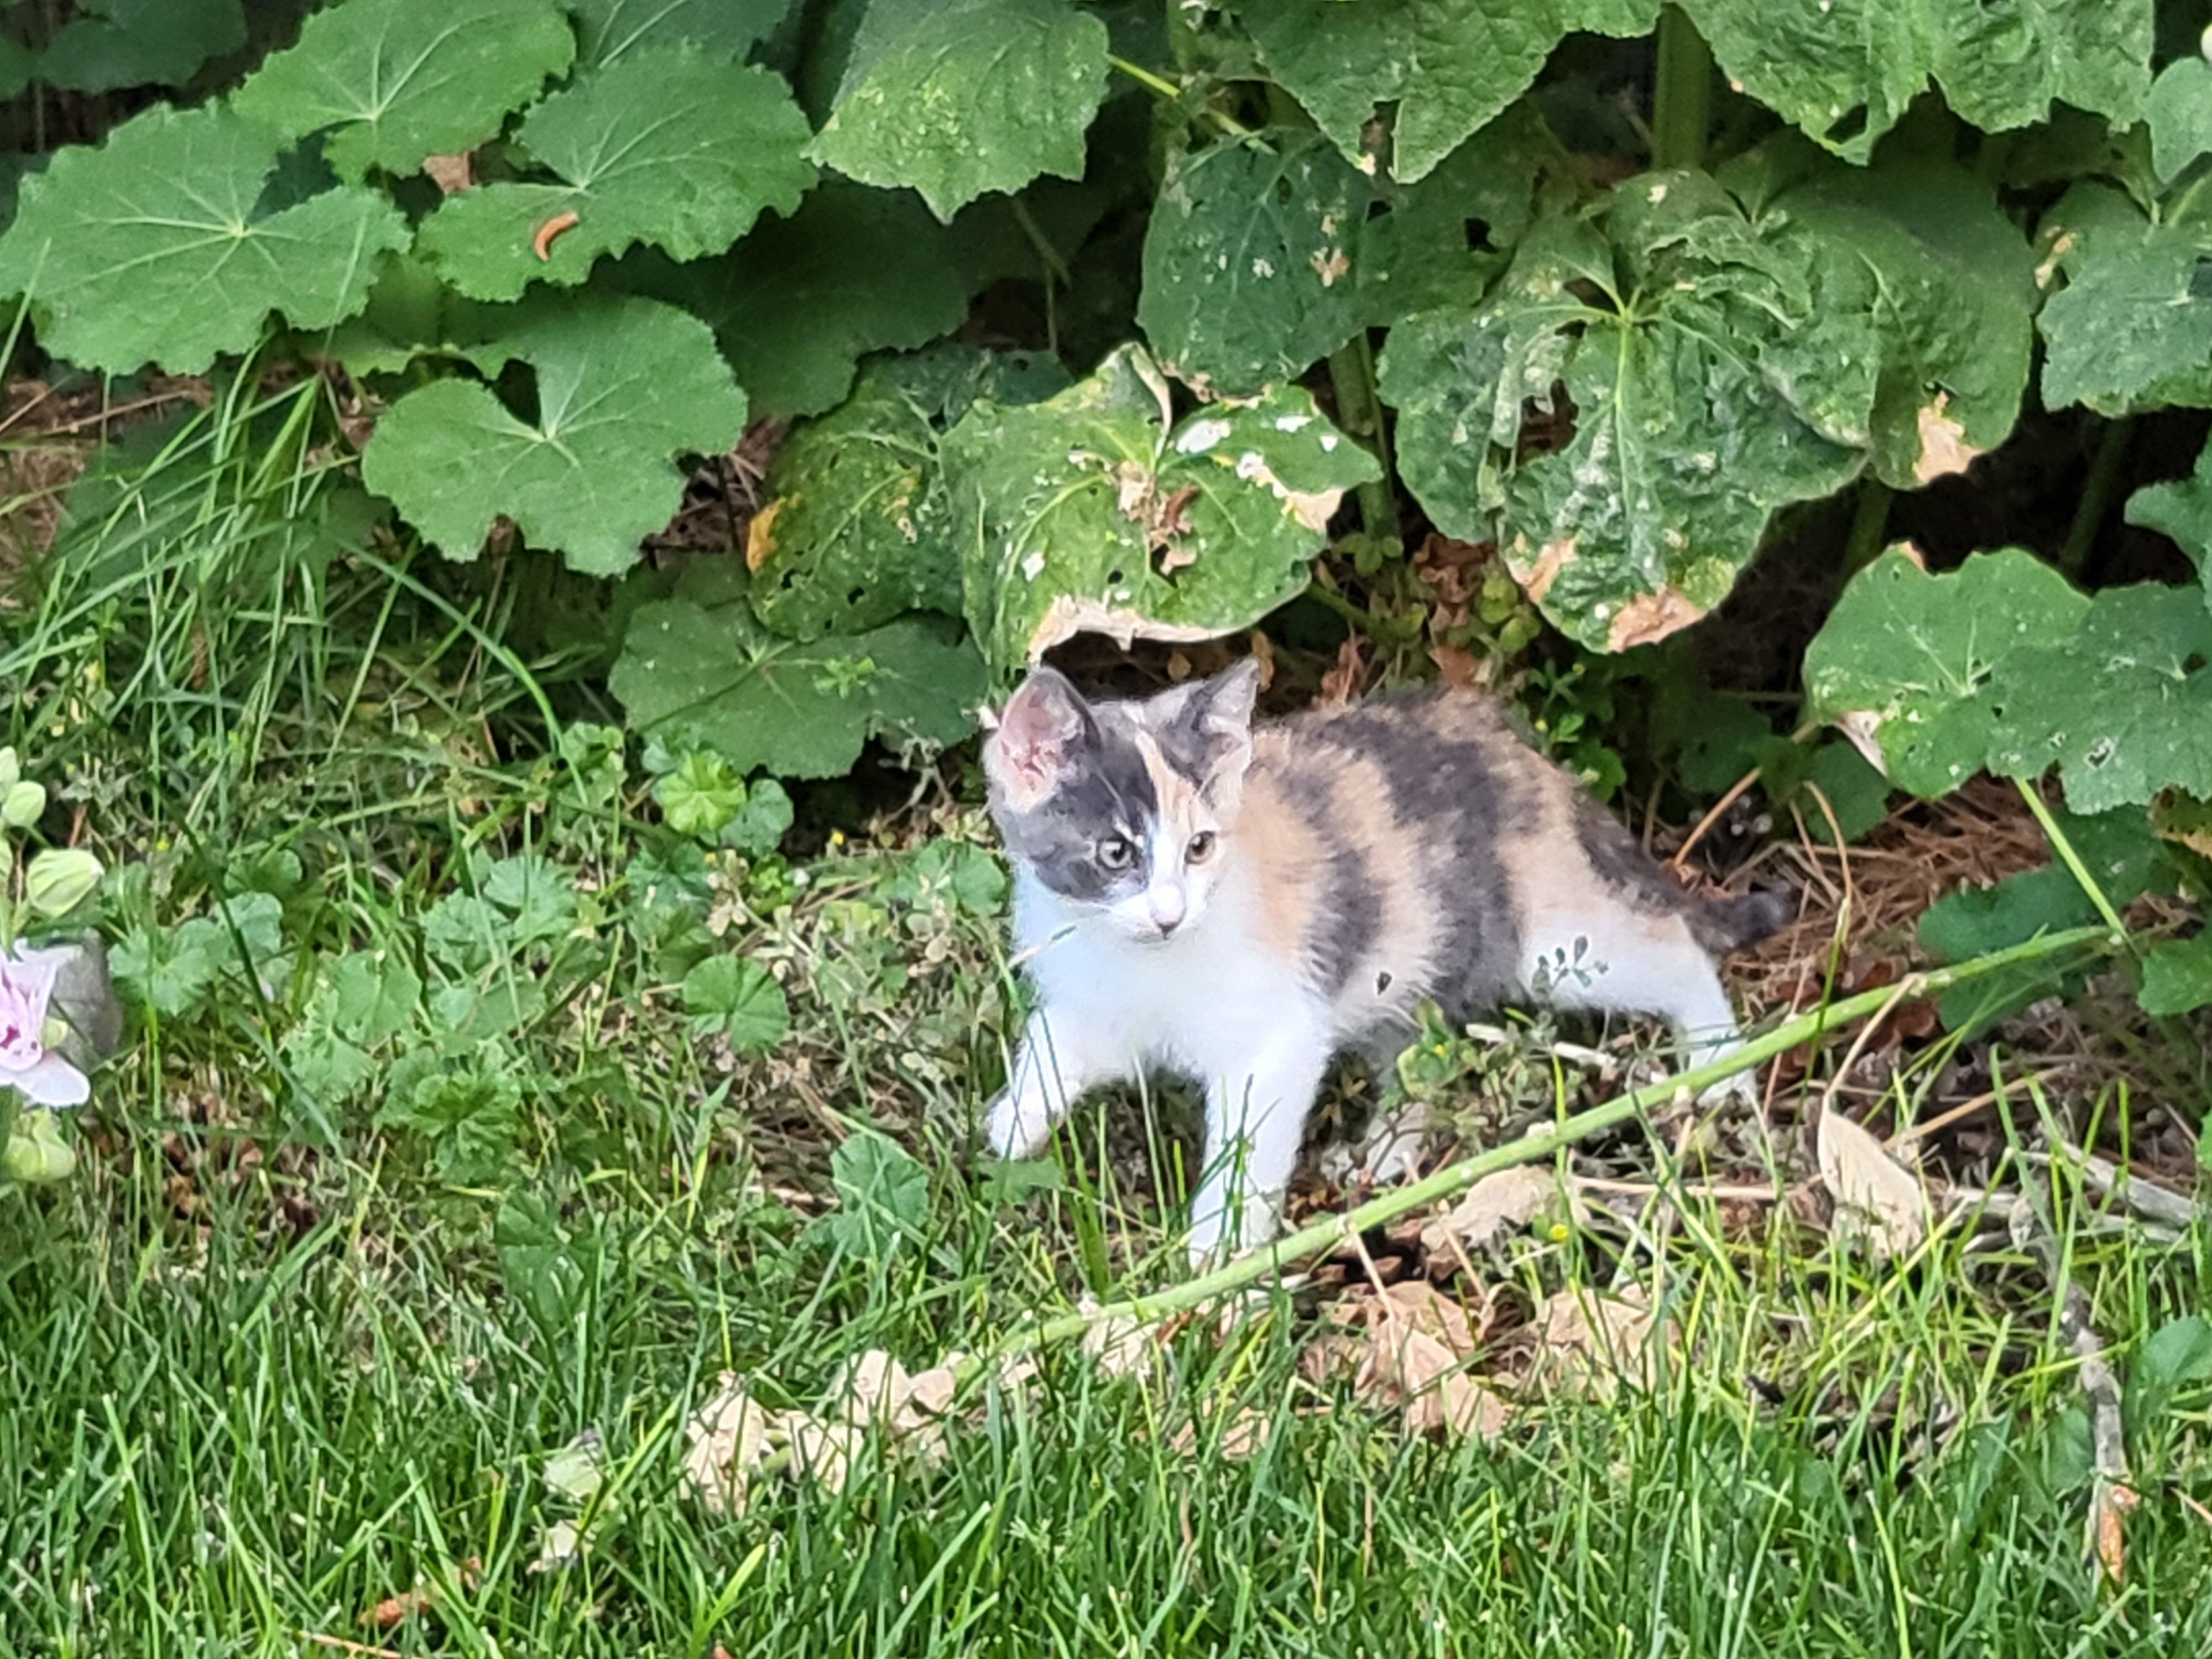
pixel 1044 726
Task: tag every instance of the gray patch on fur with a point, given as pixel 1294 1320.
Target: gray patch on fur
pixel 1108 791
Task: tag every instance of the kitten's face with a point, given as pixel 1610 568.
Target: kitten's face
pixel 1126 808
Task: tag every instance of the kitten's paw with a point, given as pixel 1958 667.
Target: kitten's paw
pixel 1014 1129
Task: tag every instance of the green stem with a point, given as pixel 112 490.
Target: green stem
pixel 2062 848
pixel 1682 96
pixel 1160 85
pixel 1360 411
pixel 1869 519
pixel 1454 1178
pixel 1388 629
pixel 2097 492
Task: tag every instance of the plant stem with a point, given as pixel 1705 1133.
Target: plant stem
pixel 2097 492
pixel 1360 411
pixel 1542 1142
pixel 1228 125
pixel 1682 94
pixel 2063 848
pixel 1869 519
pixel 1389 629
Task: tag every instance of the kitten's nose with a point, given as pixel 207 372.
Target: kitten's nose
pixel 1167 909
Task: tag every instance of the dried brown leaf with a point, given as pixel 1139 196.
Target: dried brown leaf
pixel 724 1440
pixel 1494 1205
pixel 1586 1343
pixel 1874 1194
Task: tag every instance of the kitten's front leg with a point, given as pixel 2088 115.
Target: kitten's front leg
pixel 1054 1065
pixel 1255 1123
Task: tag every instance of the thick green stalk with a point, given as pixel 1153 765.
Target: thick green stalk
pixel 1682 97
pixel 2097 492
pixel 1869 519
pixel 1454 1178
pixel 1360 411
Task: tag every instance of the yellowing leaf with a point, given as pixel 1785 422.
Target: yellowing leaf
pixel 1871 1189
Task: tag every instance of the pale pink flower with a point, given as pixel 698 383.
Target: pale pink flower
pixel 26 985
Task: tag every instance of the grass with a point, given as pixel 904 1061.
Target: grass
pixel 298 1342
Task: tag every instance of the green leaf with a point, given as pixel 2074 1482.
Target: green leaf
pixel 1097 511
pixel 170 969
pixel 469 1115
pixel 2178 977
pixel 375 994
pixel 623 385
pixel 2182 510
pixel 1265 253
pixel 958 97
pixel 1903 662
pixel 539 896
pixel 390 81
pixel 16 66
pixel 1683 334
pixel 2180 113
pixel 610 29
pixel 732 998
pixel 2132 328
pixel 700 795
pixel 1924 284
pixel 2122 705
pixel 58 878
pixel 858 526
pixel 1857 793
pixel 540 1265
pixel 798 302
pixel 152 246
pixel 667 146
pixel 1845 71
pixel 883 1196
pixel 1449 65
pixel 762 822
pixel 699 669
pixel 110 44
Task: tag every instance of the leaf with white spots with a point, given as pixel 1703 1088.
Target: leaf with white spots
pixel 2131 327
pixel 1267 252
pixel 1095 511
pixel 1904 663
pixel 958 97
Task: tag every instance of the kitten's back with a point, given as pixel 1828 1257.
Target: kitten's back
pixel 1405 847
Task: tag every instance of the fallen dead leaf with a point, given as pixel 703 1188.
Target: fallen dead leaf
pixel 1419 1342
pixel 396 1610
pixel 1492 1206
pixel 724 1440
pixel 1588 1344
pixel 1121 1345
pixel 2115 1503
pixel 910 1410
pixel 1245 1434
pixel 1872 1192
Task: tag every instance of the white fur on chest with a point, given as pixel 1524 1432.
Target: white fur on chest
pixel 1202 1003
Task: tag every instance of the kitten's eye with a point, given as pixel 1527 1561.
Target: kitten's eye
pixel 1116 853
pixel 1200 847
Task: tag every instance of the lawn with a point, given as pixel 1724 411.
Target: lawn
pixel 492 1088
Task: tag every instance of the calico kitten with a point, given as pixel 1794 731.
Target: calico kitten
pixel 1239 903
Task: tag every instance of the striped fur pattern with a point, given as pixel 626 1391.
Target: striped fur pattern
pixel 1240 904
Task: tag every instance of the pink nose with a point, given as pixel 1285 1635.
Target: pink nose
pixel 1167 911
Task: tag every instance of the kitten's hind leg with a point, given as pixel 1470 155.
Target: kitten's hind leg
pixel 1255 1124
pixel 1056 1062
pixel 1613 959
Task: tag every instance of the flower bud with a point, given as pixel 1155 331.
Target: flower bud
pixel 60 879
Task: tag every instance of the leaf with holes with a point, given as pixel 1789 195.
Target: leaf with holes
pixel 698 669
pixel 1450 66
pixel 1902 664
pixel 2182 510
pixel 802 299
pixel 1627 507
pixel 610 29
pixel 667 145
pixel 2132 328
pixel 2122 704
pixel 958 97
pixel 152 246
pixel 1844 71
pixel 1096 511
pixel 110 44
pixel 624 386
pixel 390 81
pixel 1265 253
pixel 858 526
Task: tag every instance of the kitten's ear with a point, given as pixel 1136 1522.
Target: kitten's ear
pixel 1040 730
pixel 1208 725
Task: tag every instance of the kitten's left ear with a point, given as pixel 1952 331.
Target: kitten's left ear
pixel 1208 724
